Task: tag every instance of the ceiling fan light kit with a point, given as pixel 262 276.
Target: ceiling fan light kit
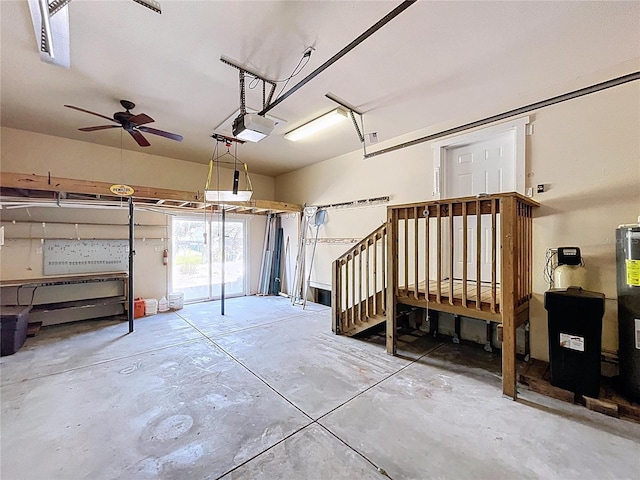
pixel 336 115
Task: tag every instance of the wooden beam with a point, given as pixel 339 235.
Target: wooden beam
pixel 392 279
pixel 268 205
pixel 335 295
pixel 88 187
pixel 456 309
pixel 508 291
pixel 69 185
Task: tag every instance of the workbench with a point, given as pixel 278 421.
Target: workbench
pixel 62 299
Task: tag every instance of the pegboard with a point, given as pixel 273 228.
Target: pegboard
pixel 62 257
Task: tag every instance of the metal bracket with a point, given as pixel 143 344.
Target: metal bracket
pixel 266 100
pixel 224 139
pixel 352 111
pixel 46 38
pixel 56 6
pixel 355 124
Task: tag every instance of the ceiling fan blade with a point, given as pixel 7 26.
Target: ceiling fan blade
pixel 137 136
pixel 91 113
pixel 101 127
pixel 141 119
pixel 162 133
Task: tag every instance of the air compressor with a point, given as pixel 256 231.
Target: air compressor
pixel 570 270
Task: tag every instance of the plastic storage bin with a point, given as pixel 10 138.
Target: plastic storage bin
pixel 575 339
pixel 138 308
pixel 14 328
pixel 176 300
pixel 150 306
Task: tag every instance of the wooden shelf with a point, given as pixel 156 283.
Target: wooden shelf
pixel 89 303
pixel 58 189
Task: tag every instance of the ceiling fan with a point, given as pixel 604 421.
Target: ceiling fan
pixel 133 124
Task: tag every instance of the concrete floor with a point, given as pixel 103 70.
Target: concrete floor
pixel 268 392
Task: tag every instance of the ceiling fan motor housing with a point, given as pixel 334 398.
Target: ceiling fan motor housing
pixel 127 105
pixel 122 117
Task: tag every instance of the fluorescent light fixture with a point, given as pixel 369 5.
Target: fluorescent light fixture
pixel 331 118
pixel 252 127
pixel 52 20
pixel 227 196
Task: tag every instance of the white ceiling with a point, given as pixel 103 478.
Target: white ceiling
pixel 436 63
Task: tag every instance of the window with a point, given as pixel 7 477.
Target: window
pixel 196 260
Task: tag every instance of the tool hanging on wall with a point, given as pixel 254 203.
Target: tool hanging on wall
pixel 298 277
pixel 318 220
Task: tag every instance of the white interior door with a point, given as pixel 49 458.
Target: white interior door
pixel 484 166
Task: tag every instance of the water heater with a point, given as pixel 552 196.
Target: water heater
pixel 628 283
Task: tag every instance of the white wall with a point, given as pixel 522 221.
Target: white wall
pixel 29 152
pixel 586 150
pixel 34 153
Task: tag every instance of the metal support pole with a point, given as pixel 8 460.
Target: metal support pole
pixel 131 254
pixel 487 344
pixel 456 335
pixel 223 255
pixel 434 315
